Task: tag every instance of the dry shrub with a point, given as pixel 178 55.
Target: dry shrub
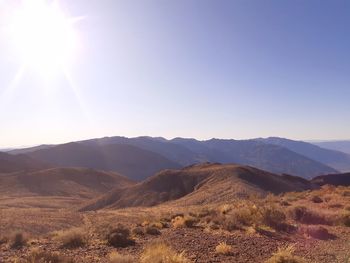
pixel 152 231
pixel 284 203
pixel 304 215
pixel 335 205
pixel 158 225
pixel 161 253
pixel 224 209
pixel 3 240
pixel 138 231
pixel 115 257
pixel 346 193
pixel 72 238
pixel 253 216
pixel 181 222
pixel 275 218
pixel 120 237
pixel 40 256
pixel 316 199
pixel 18 240
pixel 345 219
pixel 318 232
pixel 285 256
pixel 224 248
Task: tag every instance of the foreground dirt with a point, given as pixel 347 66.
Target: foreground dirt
pixel 198 243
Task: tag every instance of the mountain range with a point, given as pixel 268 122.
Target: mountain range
pixel 343 146
pixel 141 157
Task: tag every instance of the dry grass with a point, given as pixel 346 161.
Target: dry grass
pixel 161 253
pixel 72 238
pixel 37 255
pixel 115 257
pixel 152 231
pixel 285 256
pixel 305 215
pixel 223 249
pixel 182 222
pixel 120 237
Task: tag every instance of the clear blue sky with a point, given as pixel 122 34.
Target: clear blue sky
pixel 224 69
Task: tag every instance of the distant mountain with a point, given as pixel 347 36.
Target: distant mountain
pixel 343 146
pixel 131 161
pixel 29 149
pixel 336 159
pixel 199 184
pixel 269 157
pixel 333 179
pixel 65 182
pixel 14 163
pixel 166 148
pixel 141 157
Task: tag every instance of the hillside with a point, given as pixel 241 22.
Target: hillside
pixel 269 157
pixel 333 179
pixel 141 157
pixel 131 161
pixel 336 159
pixel 343 146
pixel 273 158
pixel 14 163
pixel 65 182
pixel 199 184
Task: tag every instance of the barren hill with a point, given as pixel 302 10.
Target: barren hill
pixel 67 182
pixel 131 161
pixel 13 163
pixel 333 179
pixel 204 183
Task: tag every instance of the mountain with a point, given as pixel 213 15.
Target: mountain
pixel 336 159
pixel 141 157
pixel 172 151
pixel 269 157
pixel 333 179
pixel 67 182
pixel 131 161
pixel 13 163
pixel 343 146
pixel 29 149
pixel 199 184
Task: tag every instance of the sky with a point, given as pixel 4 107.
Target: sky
pixel 186 68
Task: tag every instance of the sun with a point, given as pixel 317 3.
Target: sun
pixel 43 36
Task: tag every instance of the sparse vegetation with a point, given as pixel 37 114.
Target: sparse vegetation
pixel 138 231
pixel 72 238
pixel 184 221
pixel 285 255
pixel 316 199
pixel 306 216
pixel 223 248
pixel 152 231
pixel 38 255
pixel 18 240
pixel 115 257
pixel 161 253
pixel 318 232
pixel 120 237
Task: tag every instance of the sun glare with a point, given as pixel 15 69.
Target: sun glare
pixel 43 36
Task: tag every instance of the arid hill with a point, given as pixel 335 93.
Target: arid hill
pixel 333 179
pixel 65 182
pixel 131 161
pixel 13 163
pixel 141 157
pixel 199 184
